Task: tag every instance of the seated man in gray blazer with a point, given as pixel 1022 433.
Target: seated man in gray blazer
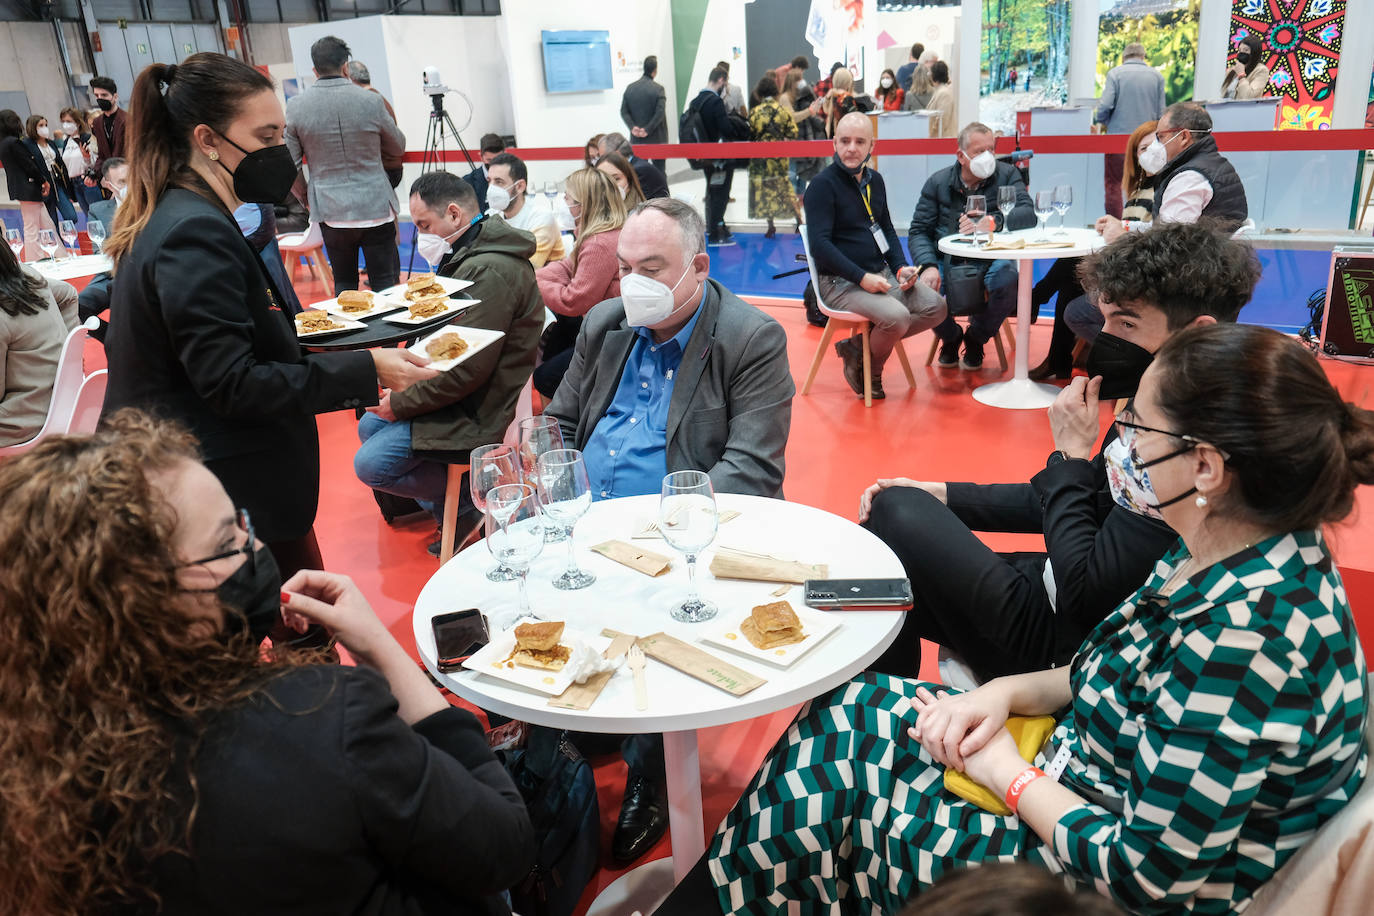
pixel 676 374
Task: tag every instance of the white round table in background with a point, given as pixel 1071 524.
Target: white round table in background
pixel 1020 393
pixel 632 602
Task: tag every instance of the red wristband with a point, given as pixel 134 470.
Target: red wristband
pixel 1018 785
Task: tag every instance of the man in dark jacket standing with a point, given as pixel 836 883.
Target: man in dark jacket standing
pixel 108 127
pixel 719 172
pixel 940 212
pixel 643 108
pixel 409 437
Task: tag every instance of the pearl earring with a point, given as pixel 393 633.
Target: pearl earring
pixel 1201 502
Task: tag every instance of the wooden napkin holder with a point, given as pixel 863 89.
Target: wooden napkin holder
pixel 637 558
pixel 729 563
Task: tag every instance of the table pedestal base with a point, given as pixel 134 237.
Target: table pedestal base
pixel 642 889
pixel 1017 394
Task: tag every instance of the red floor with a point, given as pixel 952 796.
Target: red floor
pixel 837 448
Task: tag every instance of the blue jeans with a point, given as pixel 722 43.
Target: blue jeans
pixel 1084 318
pixel 385 462
pixel 1000 282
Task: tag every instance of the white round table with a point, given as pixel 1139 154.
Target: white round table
pixel 631 602
pixel 1020 393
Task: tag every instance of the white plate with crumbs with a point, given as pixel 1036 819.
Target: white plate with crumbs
pixel 493 661
pixel 451 307
pixel 724 632
pixel 343 324
pixel 476 339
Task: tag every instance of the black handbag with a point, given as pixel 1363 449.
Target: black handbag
pixel 965 292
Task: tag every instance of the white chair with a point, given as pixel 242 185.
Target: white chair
pixel 307 248
pixel 89 401
pixel 453 490
pixel 65 388
pixel 856 324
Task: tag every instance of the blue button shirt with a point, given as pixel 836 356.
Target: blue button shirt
pixel 627 452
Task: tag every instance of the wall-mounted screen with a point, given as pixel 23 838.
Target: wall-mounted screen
pixel 577 61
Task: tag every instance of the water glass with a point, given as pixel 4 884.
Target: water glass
pixel 1044 206
pixel 47 240
pixel 15 238
pixel 491 466
pixel 1006 202
pixel 975 208
pixel 67 228
pixel 95 231
pixel 1063 200
pixel 565 495
pixel 539 435
pixel 550 190
pixel 515 533
pixel 687 520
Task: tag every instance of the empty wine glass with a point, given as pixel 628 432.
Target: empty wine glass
pixel 550 190
pixel 1006 202
pixel 687 520
pixel 539 435
pixel 47 240
pixel 1063 200
pixel 95 231
pixel 68 230
pixel 515 533
pixel 565 495
pixel 975 208
pixel 15 237
pixel 1044 206
pixel 489 467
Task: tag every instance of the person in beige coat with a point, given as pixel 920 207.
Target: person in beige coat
pixel 1247 78
pixel 35 316
pixel 943 101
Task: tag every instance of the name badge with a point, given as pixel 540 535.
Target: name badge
pixel 878 237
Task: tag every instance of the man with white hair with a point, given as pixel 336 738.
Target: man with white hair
pixel 1134 94
pixel 677 373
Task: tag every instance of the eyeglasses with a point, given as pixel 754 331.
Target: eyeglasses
pixel 244 524
pixel 1129 411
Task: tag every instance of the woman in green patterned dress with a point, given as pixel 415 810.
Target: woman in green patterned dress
pixel 770 191
pixel 1208 727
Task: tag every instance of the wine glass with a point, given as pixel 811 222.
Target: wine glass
pixel 565 495
pixel 491 466
pixel 539 435
pixel 15 237
pixel 47 240
pixel 975 209
pixel 515 533
pixel 67 228
pixel 687 521
pixel 95 231
pixel 1044 206
pixel 1006 202
pixel 1063 200
pixel 550 190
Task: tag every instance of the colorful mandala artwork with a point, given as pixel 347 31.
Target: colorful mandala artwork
pixel 1302 48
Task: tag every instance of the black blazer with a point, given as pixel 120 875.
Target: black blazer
pixel 315 798
pixel 478 179
pixel 197 334
pixel 24 173
pixel 651 178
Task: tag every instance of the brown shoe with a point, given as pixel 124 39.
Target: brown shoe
pixel 1044 372
pixel 853 365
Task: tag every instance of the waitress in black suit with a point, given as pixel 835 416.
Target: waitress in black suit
pixel 197 329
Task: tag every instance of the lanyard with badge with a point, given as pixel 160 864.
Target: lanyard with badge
pixel 873 226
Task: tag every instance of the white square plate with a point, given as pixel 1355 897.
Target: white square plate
pixel 477 338
pixel 380 306
pixel 397 293
pixel 491 661
pixel 724 632
pixel 348 325
pixel 453 308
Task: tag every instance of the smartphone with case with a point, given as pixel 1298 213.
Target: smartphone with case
pixel 859 594
pixel 458 635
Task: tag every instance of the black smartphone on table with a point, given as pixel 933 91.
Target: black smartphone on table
pixel 458 635
pixel 859 594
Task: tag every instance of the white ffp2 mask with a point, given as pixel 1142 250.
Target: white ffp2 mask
pixel 498 198
pixel 983 165
pixel 647 301
pixel 1155 157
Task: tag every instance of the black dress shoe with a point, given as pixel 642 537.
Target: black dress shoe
pixel 394 507
pixel 1044 372
pixel 853 360
pixel 643 819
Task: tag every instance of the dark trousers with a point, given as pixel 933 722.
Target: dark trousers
pixel 1060 284
pixel 1112 166
pixel 378 245
pixel 717 196
pixel 989 608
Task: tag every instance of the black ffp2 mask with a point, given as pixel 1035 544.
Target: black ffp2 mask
pixel 104 104
pixel 1120 363
pixel 264 176
pixel 253 594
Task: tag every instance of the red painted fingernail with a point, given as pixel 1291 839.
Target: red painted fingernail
pixel 285 598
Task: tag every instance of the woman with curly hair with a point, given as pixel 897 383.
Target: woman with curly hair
pixel 155 762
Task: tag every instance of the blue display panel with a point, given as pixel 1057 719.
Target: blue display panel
pixel 577 61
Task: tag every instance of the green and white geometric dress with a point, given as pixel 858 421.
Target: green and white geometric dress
pixel 1223 725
